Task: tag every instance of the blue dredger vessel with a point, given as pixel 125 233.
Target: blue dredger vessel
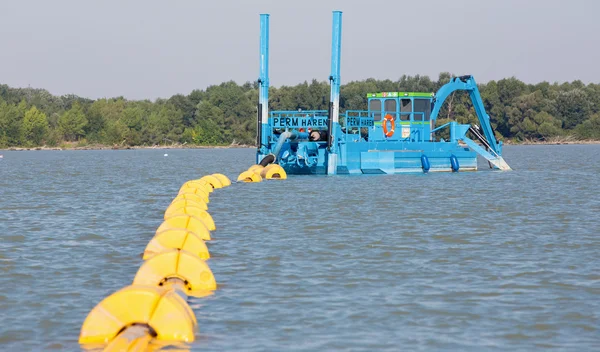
pixel 396 134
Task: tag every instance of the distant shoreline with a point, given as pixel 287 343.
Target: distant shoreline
pixel 182 146
pixel 105 147
pixel 553 142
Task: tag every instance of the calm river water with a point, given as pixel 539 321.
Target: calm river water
pixel 468 261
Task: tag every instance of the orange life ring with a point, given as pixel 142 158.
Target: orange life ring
pixel 389 118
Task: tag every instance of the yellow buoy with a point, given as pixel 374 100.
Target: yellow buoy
pixel 249 176
pixel 164 311
pixel 186 222
pixel 193 211
pixel 223 179
pixel 273 172
pixel 176 239
pixel 256 168
pixel 189 197
pixel 213 181
pixel 199 183
pixel 183 202
pixel 197 191
pixel 177 209
pixel 180 265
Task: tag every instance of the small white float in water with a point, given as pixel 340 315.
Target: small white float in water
pixel 166 155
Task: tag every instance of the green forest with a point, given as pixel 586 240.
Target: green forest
pixel 225 114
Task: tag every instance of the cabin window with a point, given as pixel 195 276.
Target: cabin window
pixel 390 106
pixel 405 109
pixel 423 106
pixel 375 109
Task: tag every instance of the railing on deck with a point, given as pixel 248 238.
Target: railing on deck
pixel 415 130
pixel 448 125
pixel 296 113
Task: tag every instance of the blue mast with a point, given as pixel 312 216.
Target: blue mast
pixel 334 101
pixel 263 90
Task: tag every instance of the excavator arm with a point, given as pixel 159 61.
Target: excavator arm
pixel 493 149
pixel 467 83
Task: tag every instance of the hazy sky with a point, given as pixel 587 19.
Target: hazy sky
pixel 149 49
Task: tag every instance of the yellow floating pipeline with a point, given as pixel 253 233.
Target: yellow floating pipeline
pixel 180 202
pixel 186 222
pixel 195 212
pixel 249 176
pixel 223 179
pixel 164 314
pixel 153 307
pixel 177 267
pixel 197 191
pixel 212 180
pixel 273 172
pixel 176 239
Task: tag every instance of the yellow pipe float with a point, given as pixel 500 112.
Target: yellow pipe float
pixel 213 181
pixel 223 179
pixel 203 215
pixel 166 315
pixel 135 338
pixel 186 222
pixel 189 197
pixel 249 176
pixel 256 168
pixel 198 184
pixel 176 239
pixel 273 172
pixel 177 266
pixel 200 192
pixel 179 202
pixel 178 208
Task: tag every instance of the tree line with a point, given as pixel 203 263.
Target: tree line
pixel 226 113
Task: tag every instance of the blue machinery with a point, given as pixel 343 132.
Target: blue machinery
pixel 396 134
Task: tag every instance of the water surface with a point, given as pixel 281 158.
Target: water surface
pixel 468 261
